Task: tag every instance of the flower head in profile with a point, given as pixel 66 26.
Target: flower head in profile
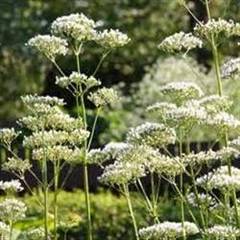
pixel 180 42
pixel 230 68
pixel 50 46
pixel 103 97
pixel 7 135
pixel 4 230
pixel 152 134
pixel 168 230
pixel 11 186
pixel 222 232
pixel 112 38
pixel 74 26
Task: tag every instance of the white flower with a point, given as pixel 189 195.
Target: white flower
pixel 223 121
pixel 180 41
pixel 4 229
pixel 114 149
pixel 221 179
pixel 202 199
pixel 230 68
pixel 78 79
pixel 222 232
pixel 35 234
pixel 168 230
pixel 31 100
pixel 12 210
pixel 74 26
pixel 181 91
pixel 112 38
pixel 215 27
pixel 11 186
pixel 122 173
pixel 104 96
pixel 161 107
pixel 17 165
pixel 152 134
pixel 215 103
pixel 50 46
pixel 7 135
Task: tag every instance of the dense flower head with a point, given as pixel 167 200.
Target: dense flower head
pixel 74 26
pixel 4 229
pixel 54 119
pixel 152 134
pixel 50 46
pixel 223 122
pixel 76 78
pixel 7 135
pixel 168 230
pixel 202 199
pixel 114 149
pixel 179 42
pixel 58 153
pixel 97 156
pixel 210 156
pixel 17 165
pixel 11 186
pixel 104 96
pixel 215 103
pixel 222 232
pixel 31 100
pixel 181 91
pixel 221 179
pixel 112 38
pixel 161 107
pixel 215 27
pixel 53 137
pixel 230 68
pixel 120 173
pixel 12 210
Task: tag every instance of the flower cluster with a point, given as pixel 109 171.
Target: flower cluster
pixel 17 165
pixel 223 232
pixel 181 91
pixel 104 96
pixel 77 79
pixel 180 41
pixel 50 46
pixel 112 38
pixel 4 230
pixel 75 26
pixel 152 134
pixel 201 199
pixel 12 210
pixel 7 135
pixel 11 186
pixel 222 179
pixel 168 230
pixel 215 27
pixel 230 68
pixel 35 234
pixel 121 173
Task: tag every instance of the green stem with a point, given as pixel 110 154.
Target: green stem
pixel 127 195
pixel 11 230
pixel 45 192
pixel 100 62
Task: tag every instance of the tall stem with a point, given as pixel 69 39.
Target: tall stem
pixel 127 195
pixel 85 166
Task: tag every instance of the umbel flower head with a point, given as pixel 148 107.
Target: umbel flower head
pixel 4 230
pixel 181 91
pixel 222 232
pixel 179 42
pixel 112 38
pixel 74 26
pixel 215 27
pixel 230 68
pixel 168 230
pixel 76 79
pixel 120 173
pixel 35 234
pixel 152 134
pixel 11 186
pixel 7 135
pixel 221 179
pixel 103 97
pixel 12 210
pixel 50 46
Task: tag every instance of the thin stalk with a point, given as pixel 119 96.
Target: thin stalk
pixel 85 166
pixel 127 195
pixel 11 230
pixel 58 67
pixel 45 201
pixel 100 62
